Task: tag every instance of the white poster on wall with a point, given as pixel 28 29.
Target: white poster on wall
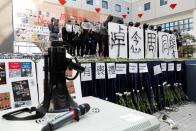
pixel 100 71
pixel 151 48
pixel 133 68
pixel 170 66
pixel 163 45
pixel 87 74
pixel 143 68
pixel 121 69
pixel 117 40
pixel 157 69
pixel 173 51
pixel 164 66
pixel 111 70
pixel 136 43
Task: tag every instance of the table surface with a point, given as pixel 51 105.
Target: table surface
pixel 107 119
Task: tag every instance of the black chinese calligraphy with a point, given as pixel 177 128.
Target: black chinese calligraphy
pixel 87 71
pixel 165 46
pixel 151 42
pixel 134 47
pixel 111 70
pixel 100 69
pixel 172 45
pixel 118 39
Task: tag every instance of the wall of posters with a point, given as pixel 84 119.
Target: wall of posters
pixel 18 78
pixel 117 40
pixel 31 21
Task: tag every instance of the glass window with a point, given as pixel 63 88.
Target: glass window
pixel 147 6
pixel 89 2
pixel 190 20
pixel 118 8
pixel 104 4
pixel 167 25
pixel 163 2
pixel 185 21
pixel 171 24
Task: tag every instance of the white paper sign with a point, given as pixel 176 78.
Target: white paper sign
pixel 173 51
pixel 121 69
pixel 143 67
pixel 151 44
pixel 179 67
pixel 117 40
pixel 171 67
pixel 163 45
pixel 87 74
pixel 68 27
pixel 133 68
pixel 100 71
pixel 111 70
pixel 136 43
pixel 157 69
pixel 164 66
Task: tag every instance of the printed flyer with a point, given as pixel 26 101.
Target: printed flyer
pixel 2 73
pixel 14 69
pixel 21 93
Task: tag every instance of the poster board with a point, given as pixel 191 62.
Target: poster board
pixel 167 46
pixel 31 21
pixel 19 82
pixel 136 43
pixel 117 40
pixel 151 46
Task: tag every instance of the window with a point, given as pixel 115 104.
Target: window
pixel 180 25
pixel 128 12
pixel 147 6
pixel 104 4
pixel 163 2
pixel 118 8
pixel 89 2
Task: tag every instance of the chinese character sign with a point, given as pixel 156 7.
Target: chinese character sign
pixel 111 70
pixel 163 45
pixel 173 51
pixel 136 43
pixel 151 44
pixel 87 74
pixel 100 70
pixel 117 40
pixel 167 45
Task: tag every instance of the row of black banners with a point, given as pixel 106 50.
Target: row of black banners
pixel 145 86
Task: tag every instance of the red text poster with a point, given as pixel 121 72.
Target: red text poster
pixel 14 69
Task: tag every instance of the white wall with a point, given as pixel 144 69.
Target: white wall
pixel 81 4
pixel 157 11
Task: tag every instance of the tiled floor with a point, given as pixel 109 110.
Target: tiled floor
pixel 184 117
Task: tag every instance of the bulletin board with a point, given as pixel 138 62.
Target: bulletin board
pixel 18 86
